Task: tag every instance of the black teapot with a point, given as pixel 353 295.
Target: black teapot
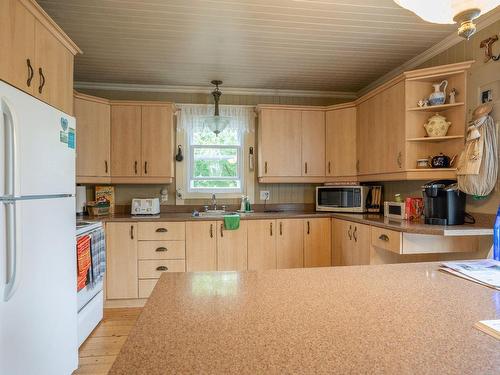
pixel 441 161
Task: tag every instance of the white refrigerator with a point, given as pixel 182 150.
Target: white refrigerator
pixel 38 300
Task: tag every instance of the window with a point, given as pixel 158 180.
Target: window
pixel 215 161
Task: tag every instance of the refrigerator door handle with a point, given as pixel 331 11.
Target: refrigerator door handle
pixel 13 246
pixel 11 183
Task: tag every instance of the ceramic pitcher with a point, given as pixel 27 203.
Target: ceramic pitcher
pixel 438 97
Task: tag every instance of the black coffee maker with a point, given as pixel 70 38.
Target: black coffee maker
pixel 444 204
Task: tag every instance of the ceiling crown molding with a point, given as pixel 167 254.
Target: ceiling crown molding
pixel 452 39
pixel 207 89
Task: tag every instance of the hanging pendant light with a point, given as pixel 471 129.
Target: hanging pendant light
pixel 462 12
pixel 216 123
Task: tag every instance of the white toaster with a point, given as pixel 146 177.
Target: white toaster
pixel 145 206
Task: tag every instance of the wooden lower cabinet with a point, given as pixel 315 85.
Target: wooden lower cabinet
pixel 121 268
pixel 290 243
pixel 317 242
pixel 262 245
pixel 232 248
pixel 201 246
pixel 350 243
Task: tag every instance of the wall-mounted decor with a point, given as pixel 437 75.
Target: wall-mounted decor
pixel 488 52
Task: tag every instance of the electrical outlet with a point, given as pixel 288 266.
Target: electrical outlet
pixel 264 195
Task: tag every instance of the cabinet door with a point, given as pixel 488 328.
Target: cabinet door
pixel 125 140
pixel 313 143
pixel 341 142
pixel 121 260
pixel 361 237
pixel 317 243
pixel 290 243
pixel 92 138
pixel 261 244
pixel 392 129
pixel 280 143
pixel 17 43
pixel 201 246
pixel 157 138
pixel 350 243
pixel 53 70
pixel 232 248
pixel 337 242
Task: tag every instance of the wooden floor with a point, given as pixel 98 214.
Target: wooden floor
pixel 99 351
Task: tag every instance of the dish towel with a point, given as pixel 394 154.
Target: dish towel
pixel 83 260
pixel 231 222
pixel 98 254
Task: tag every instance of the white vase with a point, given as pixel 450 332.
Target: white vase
pixel 438 97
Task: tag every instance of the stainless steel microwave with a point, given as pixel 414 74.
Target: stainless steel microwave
pixel 342 198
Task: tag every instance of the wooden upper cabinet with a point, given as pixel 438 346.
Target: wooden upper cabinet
pixel 289 243
pixel 393 128
pixel 341 142
pixel 261 244
pixel 280 143
pixel 201 246
pixel 313 143
pixel 126 140
pixel 17 43
pixel 93 129
pixel 232 248
pixel 317 242
pixel 157 141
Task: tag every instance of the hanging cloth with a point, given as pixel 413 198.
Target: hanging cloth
pixel 477 168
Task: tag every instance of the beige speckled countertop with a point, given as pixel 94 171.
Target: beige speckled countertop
pixel 390 319
pixel 483 226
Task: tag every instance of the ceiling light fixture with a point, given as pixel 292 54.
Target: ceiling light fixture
pixel 216 123
pixel 462 12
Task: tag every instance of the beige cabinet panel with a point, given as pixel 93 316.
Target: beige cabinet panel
pixel 317 242
pixel 125 140
pixel 201 246
pixel 341 142
pixel 261 244
pixel 162 231
pixel 17 43
pixel 350 243
pixel 121 258
pixel 152 269
pixel 313 143
pixel 162 249
pixel 289 243
pixel 392 131
pixel 93 132
pixel 280 143
pixel 157 141
pixel 53 70
pixel 232 248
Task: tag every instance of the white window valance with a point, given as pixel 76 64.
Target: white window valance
pixel 191 116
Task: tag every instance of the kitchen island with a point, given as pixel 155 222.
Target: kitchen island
pixel 400 318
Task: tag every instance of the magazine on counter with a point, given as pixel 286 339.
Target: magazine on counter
pixel 484 271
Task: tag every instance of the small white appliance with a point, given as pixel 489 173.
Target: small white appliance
pixel 81 199
pixel 349 198
pixel 38 303
pixel 395 210
pixel 150 206
pixel 91 297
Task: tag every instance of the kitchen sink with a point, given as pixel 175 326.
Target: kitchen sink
pixel 216 213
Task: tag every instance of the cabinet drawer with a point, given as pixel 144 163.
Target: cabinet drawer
pixel 162 249
pixel 153 268
pixel 387 239
pixel 146 286
pixel 162 231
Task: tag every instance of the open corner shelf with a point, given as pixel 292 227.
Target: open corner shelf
pixel 435 139
pixel 436 108
pixel 432 170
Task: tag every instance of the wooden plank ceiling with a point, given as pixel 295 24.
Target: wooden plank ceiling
pixel 324 45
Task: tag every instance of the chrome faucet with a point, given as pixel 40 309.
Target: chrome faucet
pixel 214 202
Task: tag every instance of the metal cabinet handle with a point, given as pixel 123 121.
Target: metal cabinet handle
pixel 384 237
pixel 131 232
pixel 161 230
pixel 400 159
pixel 305 167
pixel 105 166
pixel 349 232
pixel 329 167
pixel 161 249
pixel 31 73
pixel 357 165
pixel 354 235
pixel 162 268
pixel 42 80
pixel 281 228
pixel 211 231
pixel 145 167
pixel 308 227
pixel 135 167
pixel 222 229
pixel 265 167
pixel 271 228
